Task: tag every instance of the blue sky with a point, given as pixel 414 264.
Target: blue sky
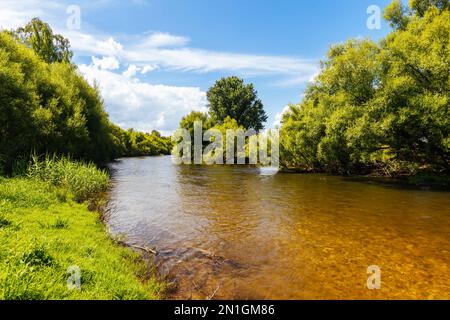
pixel 155 59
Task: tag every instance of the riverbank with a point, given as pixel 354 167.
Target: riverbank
pixel 45 233
pixel 432 181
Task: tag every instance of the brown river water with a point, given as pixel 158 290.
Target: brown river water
pixel 238 232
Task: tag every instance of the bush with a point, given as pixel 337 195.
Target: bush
pixel 83 180
pixel 378 105
pixel 48 107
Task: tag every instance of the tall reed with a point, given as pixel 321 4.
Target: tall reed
pixel 83 180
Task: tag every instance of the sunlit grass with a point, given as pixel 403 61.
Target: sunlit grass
pixel 83 180
pixel 43 233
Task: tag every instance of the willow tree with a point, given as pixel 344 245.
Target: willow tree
pixel 379 105
pixel 47 107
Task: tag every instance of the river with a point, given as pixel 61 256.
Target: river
pixel 238 232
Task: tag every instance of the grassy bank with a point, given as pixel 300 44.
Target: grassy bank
pixel 45 228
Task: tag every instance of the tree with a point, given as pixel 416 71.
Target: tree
pixel 399 15
pixel 187 122
pixel 396 14
pixel 420 7
pixel 379 106
pixel 230 97
pixel 46 106
pixel 48 46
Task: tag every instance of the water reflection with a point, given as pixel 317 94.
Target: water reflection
pixel 255 235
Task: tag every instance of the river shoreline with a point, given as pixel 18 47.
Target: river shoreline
pixel 419 181
pixel 45 233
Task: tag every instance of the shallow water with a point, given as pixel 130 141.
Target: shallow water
pixel 236 232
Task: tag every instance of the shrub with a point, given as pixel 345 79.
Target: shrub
pixel 83 180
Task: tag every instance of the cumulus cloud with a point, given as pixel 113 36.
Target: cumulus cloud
pixel 148 68
pixel 132 103
pixel 160 52
pixel 158 48
pixel 131 71
pixel 14 14
pixel 83 43
pixel 106 63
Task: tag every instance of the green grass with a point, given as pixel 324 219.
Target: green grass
pixel 83 180
pixel 42 234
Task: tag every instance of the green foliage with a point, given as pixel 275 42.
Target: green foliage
pixel 4 222
pixel 420 7
pixel 84 181
pixel 400 15
pixel 42 236
pixel 132 143
pixel 232 105
pixel 210 123
pixel 48 46
pixel 36 256
pixel 396 14
pixel 60 224
pixel 378 106
pixel 227 124
pixel 230 97
pixel 187 122
pixel 18 193
pixel 47 107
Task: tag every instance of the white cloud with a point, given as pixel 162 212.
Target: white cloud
pixel 189 59
pixel 14 14
pixel 279 117
pixel 158 48
pixel 160 39
pixel 106 63
pixel 83 43
pixel 144 106
pixel 141 53
pixel 132 102
pixel 148 68
pixel 131 71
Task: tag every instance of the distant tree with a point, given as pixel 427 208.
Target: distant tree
pixel 48 46
pixel 187 122
pixel 230 97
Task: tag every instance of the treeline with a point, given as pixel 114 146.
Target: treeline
pixel 131 143
pixel 379 107
pixel 46 106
